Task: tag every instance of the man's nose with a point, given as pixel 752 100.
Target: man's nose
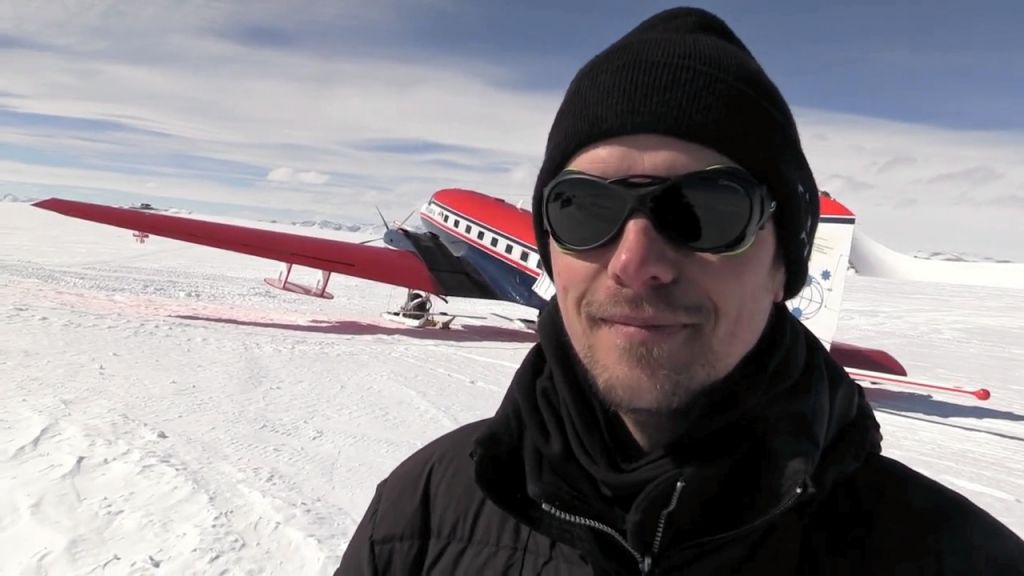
pixel 642 257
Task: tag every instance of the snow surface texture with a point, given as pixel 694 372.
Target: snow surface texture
pixel 165 412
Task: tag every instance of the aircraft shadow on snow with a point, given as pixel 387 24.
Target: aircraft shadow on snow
pixel 463 333
pixel 903 403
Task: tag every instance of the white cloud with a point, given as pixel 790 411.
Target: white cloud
pixel 282 174
pixel 93 24
pixel 312 178
pixel 211 98
pixel 918 187
pixel 293 124
pixel 285 174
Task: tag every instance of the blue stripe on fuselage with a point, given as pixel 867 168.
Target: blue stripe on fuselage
pixel 508 282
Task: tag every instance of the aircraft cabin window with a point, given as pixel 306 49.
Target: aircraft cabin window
pixel 480 235
pixel 469 229
pixel 494 242
pixel 508 248
pixel 524 256
pixel 456 223
pixel 445 218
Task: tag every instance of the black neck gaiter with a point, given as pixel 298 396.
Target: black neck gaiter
pixel 554 438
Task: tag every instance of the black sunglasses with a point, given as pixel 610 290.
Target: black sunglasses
pixel 716 210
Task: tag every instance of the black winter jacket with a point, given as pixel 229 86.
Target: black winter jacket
pixel 778 472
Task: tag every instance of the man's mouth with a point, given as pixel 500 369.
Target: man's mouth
pixel 645 327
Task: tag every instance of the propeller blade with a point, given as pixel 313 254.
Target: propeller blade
pixel 407 218
pixel 387 227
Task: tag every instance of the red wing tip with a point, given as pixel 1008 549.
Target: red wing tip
pixel 53 204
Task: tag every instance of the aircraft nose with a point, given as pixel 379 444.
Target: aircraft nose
pixel 396 239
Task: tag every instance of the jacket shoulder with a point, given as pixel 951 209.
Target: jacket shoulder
pixel 429 516
pixel 906 520
pixel 430 491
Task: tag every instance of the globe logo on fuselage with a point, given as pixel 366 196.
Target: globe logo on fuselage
pixel 809 301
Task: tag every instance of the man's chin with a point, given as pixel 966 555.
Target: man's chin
pixel 630 386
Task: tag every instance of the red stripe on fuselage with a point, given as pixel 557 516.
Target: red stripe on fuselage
pixel 495 213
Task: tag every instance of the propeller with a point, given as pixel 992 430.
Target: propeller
pixel 387 228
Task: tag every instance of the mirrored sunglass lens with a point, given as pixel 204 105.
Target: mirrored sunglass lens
pixel 704 215
pixel 584 212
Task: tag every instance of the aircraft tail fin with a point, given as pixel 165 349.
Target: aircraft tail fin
pixel 818 304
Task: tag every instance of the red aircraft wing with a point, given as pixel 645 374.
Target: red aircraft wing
pixel 377 263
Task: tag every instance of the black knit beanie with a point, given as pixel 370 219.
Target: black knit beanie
pixel 684 73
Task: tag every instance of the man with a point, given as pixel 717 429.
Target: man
pixel 674 417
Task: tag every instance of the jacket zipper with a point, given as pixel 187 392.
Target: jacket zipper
pixel 643 561
pixel 646 565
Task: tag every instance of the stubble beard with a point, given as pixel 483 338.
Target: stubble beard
pixel 645 379
pixel 637 378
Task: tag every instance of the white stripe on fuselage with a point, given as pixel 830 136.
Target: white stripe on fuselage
pixel 445 218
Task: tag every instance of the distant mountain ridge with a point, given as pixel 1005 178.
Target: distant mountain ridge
pixel 327 225
pixel 8 197
pixel 958 257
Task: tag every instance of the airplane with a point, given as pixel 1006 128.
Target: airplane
pixel 479 246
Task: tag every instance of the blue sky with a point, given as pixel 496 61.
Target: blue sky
pixel 957 64
pixel 329 109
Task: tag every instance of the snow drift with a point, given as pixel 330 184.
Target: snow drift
pixel 870 258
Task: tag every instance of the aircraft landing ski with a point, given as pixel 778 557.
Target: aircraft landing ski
pixel 882 378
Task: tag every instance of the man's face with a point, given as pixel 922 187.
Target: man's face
pixel 654 323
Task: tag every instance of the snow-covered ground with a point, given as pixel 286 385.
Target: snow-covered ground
pixel 165 412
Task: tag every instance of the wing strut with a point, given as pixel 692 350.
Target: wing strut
pixel 282 283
